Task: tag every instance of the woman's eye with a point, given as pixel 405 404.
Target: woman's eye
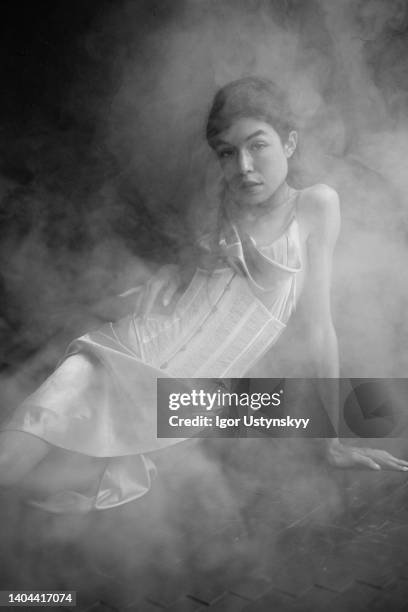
pixel 225 153
pixel 257 146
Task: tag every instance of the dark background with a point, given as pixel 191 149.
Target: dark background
pixel 59 229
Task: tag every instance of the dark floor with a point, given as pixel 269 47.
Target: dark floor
pixel 230 525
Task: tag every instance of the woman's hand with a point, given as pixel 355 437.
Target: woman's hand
pixel 166 282
pixel 342 456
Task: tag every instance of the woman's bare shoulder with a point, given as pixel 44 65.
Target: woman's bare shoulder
pixel 318 209
pixel 318 199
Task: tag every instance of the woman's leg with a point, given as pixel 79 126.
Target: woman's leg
pixel 20 452
pixel 62 470
pixel 38 467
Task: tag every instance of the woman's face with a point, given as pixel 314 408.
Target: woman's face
pixel 253 159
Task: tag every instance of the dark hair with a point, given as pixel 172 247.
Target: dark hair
pixel 250 97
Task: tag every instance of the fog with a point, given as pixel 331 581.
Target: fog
pixel 114 178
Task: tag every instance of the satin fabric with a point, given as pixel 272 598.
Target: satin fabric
pixel 101 400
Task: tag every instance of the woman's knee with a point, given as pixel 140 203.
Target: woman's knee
pixel 20 453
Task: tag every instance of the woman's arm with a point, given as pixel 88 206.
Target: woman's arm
pixel 319 211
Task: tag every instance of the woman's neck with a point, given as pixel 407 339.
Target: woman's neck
pixel 275 205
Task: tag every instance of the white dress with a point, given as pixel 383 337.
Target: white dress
pixel 101 400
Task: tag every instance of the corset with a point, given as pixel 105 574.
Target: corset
pixel 227 317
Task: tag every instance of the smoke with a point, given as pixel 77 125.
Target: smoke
pixel 113 178
pixel 124 175
pixel 370 177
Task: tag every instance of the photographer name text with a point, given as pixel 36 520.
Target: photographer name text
pixel 203 421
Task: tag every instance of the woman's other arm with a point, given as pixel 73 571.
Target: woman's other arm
pixel 319 210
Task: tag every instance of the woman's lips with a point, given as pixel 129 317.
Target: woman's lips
pixel 250 185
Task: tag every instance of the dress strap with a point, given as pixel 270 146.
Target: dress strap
pixel 245 257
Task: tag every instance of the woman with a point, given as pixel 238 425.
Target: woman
pixel 88 430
